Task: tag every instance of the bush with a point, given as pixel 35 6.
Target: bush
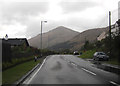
pixel 15 62
pixel 88 54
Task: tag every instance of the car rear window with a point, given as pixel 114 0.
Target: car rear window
pixel 101 53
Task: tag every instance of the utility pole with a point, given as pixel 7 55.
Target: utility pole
pixel 48 40
pixel 110 31
pixel 85 44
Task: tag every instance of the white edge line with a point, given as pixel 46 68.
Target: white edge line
pixel 88 71
pixel 36 71
pixel 114 83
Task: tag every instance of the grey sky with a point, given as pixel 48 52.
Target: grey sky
pixel 77 6
pixel 21 18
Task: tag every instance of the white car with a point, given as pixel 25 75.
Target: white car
pixel 100 56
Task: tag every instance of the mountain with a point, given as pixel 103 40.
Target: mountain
pixel 78 41
pixel 56 36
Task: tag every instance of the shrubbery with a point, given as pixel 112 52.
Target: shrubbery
pixel 20 54
pixel 16 61
pixel 104 45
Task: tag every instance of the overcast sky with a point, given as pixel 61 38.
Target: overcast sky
pixel 21 18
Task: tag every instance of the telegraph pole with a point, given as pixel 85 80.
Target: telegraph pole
pixel 110 31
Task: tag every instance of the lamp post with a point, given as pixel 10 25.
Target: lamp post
pixel 41 35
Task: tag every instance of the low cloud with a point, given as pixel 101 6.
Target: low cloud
pixel 24 17
pixel 70 7
pixel 21 10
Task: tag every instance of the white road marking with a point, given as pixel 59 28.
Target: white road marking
pixel 88 71
pixel 114 83
pixel 74 64
pixel 36 71
pixel 68 61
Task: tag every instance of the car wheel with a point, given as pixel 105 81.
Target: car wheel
pixel 107 59
pixel 97 59
pixel 93 58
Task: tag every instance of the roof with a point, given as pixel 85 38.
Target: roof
pixel 16 41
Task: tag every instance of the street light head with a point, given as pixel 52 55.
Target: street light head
pixel 6 37
pixel 45 21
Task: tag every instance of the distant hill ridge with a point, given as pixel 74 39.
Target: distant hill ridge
pixel 65 38
pixel 78 41
pixel 58 35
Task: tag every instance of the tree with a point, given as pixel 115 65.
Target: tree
pixel 86 45
pixel 98 44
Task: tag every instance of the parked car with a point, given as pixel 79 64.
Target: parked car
pixel 75 53
pixel 100 56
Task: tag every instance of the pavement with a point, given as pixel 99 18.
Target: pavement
pixel 69 69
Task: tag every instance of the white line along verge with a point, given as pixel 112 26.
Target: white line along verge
pixel 88 71
pixel 36 71
pixel 114 83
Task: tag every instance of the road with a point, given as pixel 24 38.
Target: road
pixel 69 69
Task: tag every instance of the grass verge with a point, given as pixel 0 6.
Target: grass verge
pixel 13 74
pixel 16 61
pixel 87 55
pixel 113 62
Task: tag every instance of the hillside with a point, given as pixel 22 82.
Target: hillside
pixel 78 41
pixel 58 35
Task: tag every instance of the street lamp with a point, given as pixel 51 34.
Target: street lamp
pixel 41 35
pixel 6 37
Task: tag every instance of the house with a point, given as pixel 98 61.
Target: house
pixel 16 41
pixel 115 29
pixel 7 44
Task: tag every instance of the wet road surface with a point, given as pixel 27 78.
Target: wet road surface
pixel 69 69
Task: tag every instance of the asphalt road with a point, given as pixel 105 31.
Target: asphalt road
pixel 69 69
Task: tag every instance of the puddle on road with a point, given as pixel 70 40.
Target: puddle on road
pixel 57 66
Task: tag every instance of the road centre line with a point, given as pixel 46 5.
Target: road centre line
pixel 81 68
pixel 74 64
pixel 88 71
pixel 114 83
pixel 36 71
